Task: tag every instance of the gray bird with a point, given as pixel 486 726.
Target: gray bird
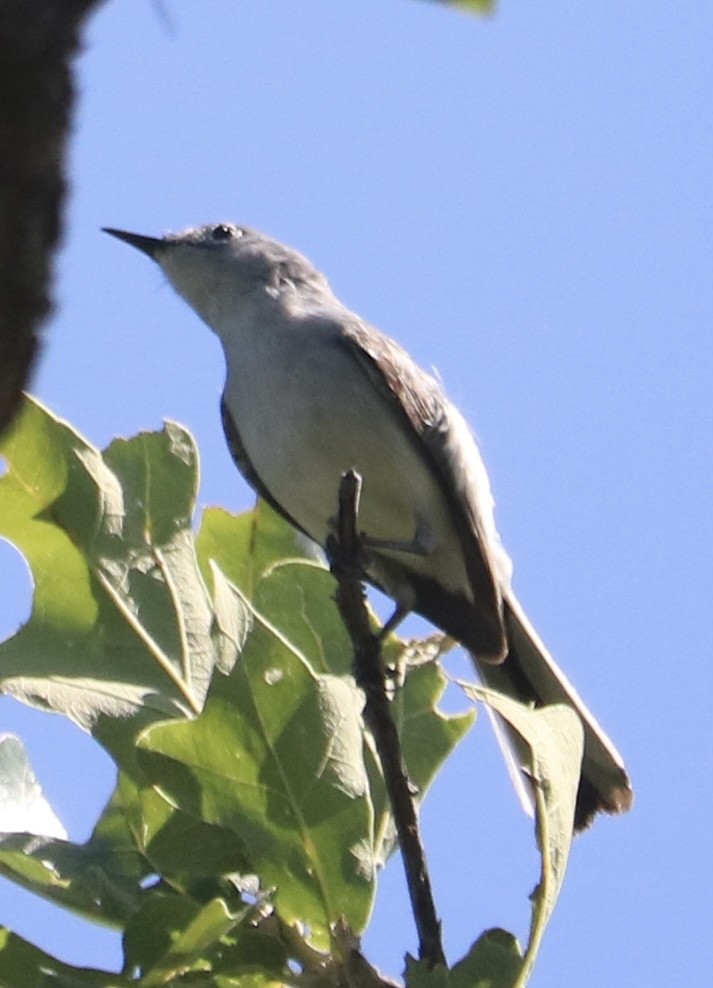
pixel 313 391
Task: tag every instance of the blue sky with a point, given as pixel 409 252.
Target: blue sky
pixel 525 202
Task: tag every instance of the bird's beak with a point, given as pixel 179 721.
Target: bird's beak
pixel 147 245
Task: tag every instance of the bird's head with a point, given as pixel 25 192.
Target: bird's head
pixel 219 266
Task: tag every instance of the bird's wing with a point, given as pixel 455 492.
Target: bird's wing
pixel 444 441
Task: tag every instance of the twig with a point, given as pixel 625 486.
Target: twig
pixel 345 552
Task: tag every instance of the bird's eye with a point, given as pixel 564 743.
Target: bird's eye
pixel 224 232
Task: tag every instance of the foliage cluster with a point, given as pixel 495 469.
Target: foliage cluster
pixel 242 843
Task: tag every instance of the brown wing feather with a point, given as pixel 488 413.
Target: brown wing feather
pixel 418 399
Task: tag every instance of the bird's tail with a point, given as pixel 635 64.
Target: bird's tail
pixel 530 674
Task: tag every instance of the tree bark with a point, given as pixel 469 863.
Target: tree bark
pixel 38 40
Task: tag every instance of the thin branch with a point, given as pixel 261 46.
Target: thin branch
pixel 345 552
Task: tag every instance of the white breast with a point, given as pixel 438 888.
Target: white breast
pixel 306 412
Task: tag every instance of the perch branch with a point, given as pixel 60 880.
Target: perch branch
pixel 345 551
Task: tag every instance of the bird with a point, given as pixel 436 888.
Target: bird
pixel 312 391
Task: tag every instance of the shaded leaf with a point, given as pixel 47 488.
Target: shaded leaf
pixel 250 951
pixel 494 961
pixel 190 945
pixel 277 757
pixel 179 846
pixel 172 936
pixel 153 928
pixel 296 596
pixel 23 965
pixel 82 878
pixel 112 834
pixel 100 879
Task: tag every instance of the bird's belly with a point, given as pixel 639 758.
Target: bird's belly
pixel 322 421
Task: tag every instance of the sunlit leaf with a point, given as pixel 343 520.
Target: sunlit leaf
pixel 121 624
pixel 22 804
pixel 283 576
pixel 555 738
pixel 428 736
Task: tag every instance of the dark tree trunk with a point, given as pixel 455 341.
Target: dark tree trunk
pixel 38 39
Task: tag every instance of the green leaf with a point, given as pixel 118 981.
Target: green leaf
pixel 428 736
pixel 270 779
pixel 494 961
pixel 232 621
pixel 419 974
pixel 23 965
pixel 87 879
pixel 253 980
pixel 295 595
pixel 122 627
pixel 154 927
pixel 172 936
pixel 100 879
pixel 248 545
pixel 180 847
pixel 555 738
pixel 22 805
pixel 472 6
pixel 284 577
pixel 250 952
pixel 277 757
pixel 113 836
pixel 298 598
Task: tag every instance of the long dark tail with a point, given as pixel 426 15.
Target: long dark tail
pixel 530 674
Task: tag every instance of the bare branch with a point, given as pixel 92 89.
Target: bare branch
pixel 345 552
